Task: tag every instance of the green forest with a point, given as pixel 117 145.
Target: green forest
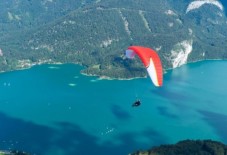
pixel 95 34
pixel 188 147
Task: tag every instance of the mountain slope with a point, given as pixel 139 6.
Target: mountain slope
pixel 96 35
pixel 18 15
pixel 188 147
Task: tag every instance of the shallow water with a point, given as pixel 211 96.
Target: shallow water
pixel 53 109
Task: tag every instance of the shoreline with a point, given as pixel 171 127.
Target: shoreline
pixel 102 77
pixel 192 62
pixel 28 66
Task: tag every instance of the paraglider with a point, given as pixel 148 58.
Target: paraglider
pixel 150 60
pixel 136 104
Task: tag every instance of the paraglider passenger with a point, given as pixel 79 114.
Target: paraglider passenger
pixel 136 104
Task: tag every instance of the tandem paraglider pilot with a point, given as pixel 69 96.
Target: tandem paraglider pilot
pixel 136 104
pixel 151 61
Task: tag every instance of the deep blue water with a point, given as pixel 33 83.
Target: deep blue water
pixel 54 110
pixel 224 3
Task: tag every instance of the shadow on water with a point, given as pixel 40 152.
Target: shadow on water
pixel 170 94
pixel 217 121
pixel 21 135
pixel 155 136
pixel 120 113
pixel 67 139
pixel 164 112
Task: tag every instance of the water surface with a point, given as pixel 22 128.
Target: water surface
pixel 53 109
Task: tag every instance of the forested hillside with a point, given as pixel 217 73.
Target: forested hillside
pixel 96 33
pixel 188 147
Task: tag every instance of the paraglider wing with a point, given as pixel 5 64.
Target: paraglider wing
pixel 150 60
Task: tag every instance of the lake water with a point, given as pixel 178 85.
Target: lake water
pixel 224 3
pixel 54 110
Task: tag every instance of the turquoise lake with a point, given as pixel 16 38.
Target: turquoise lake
pixel 54 110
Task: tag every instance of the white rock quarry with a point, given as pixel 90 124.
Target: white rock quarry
pixel 180 52
pixel 198 3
